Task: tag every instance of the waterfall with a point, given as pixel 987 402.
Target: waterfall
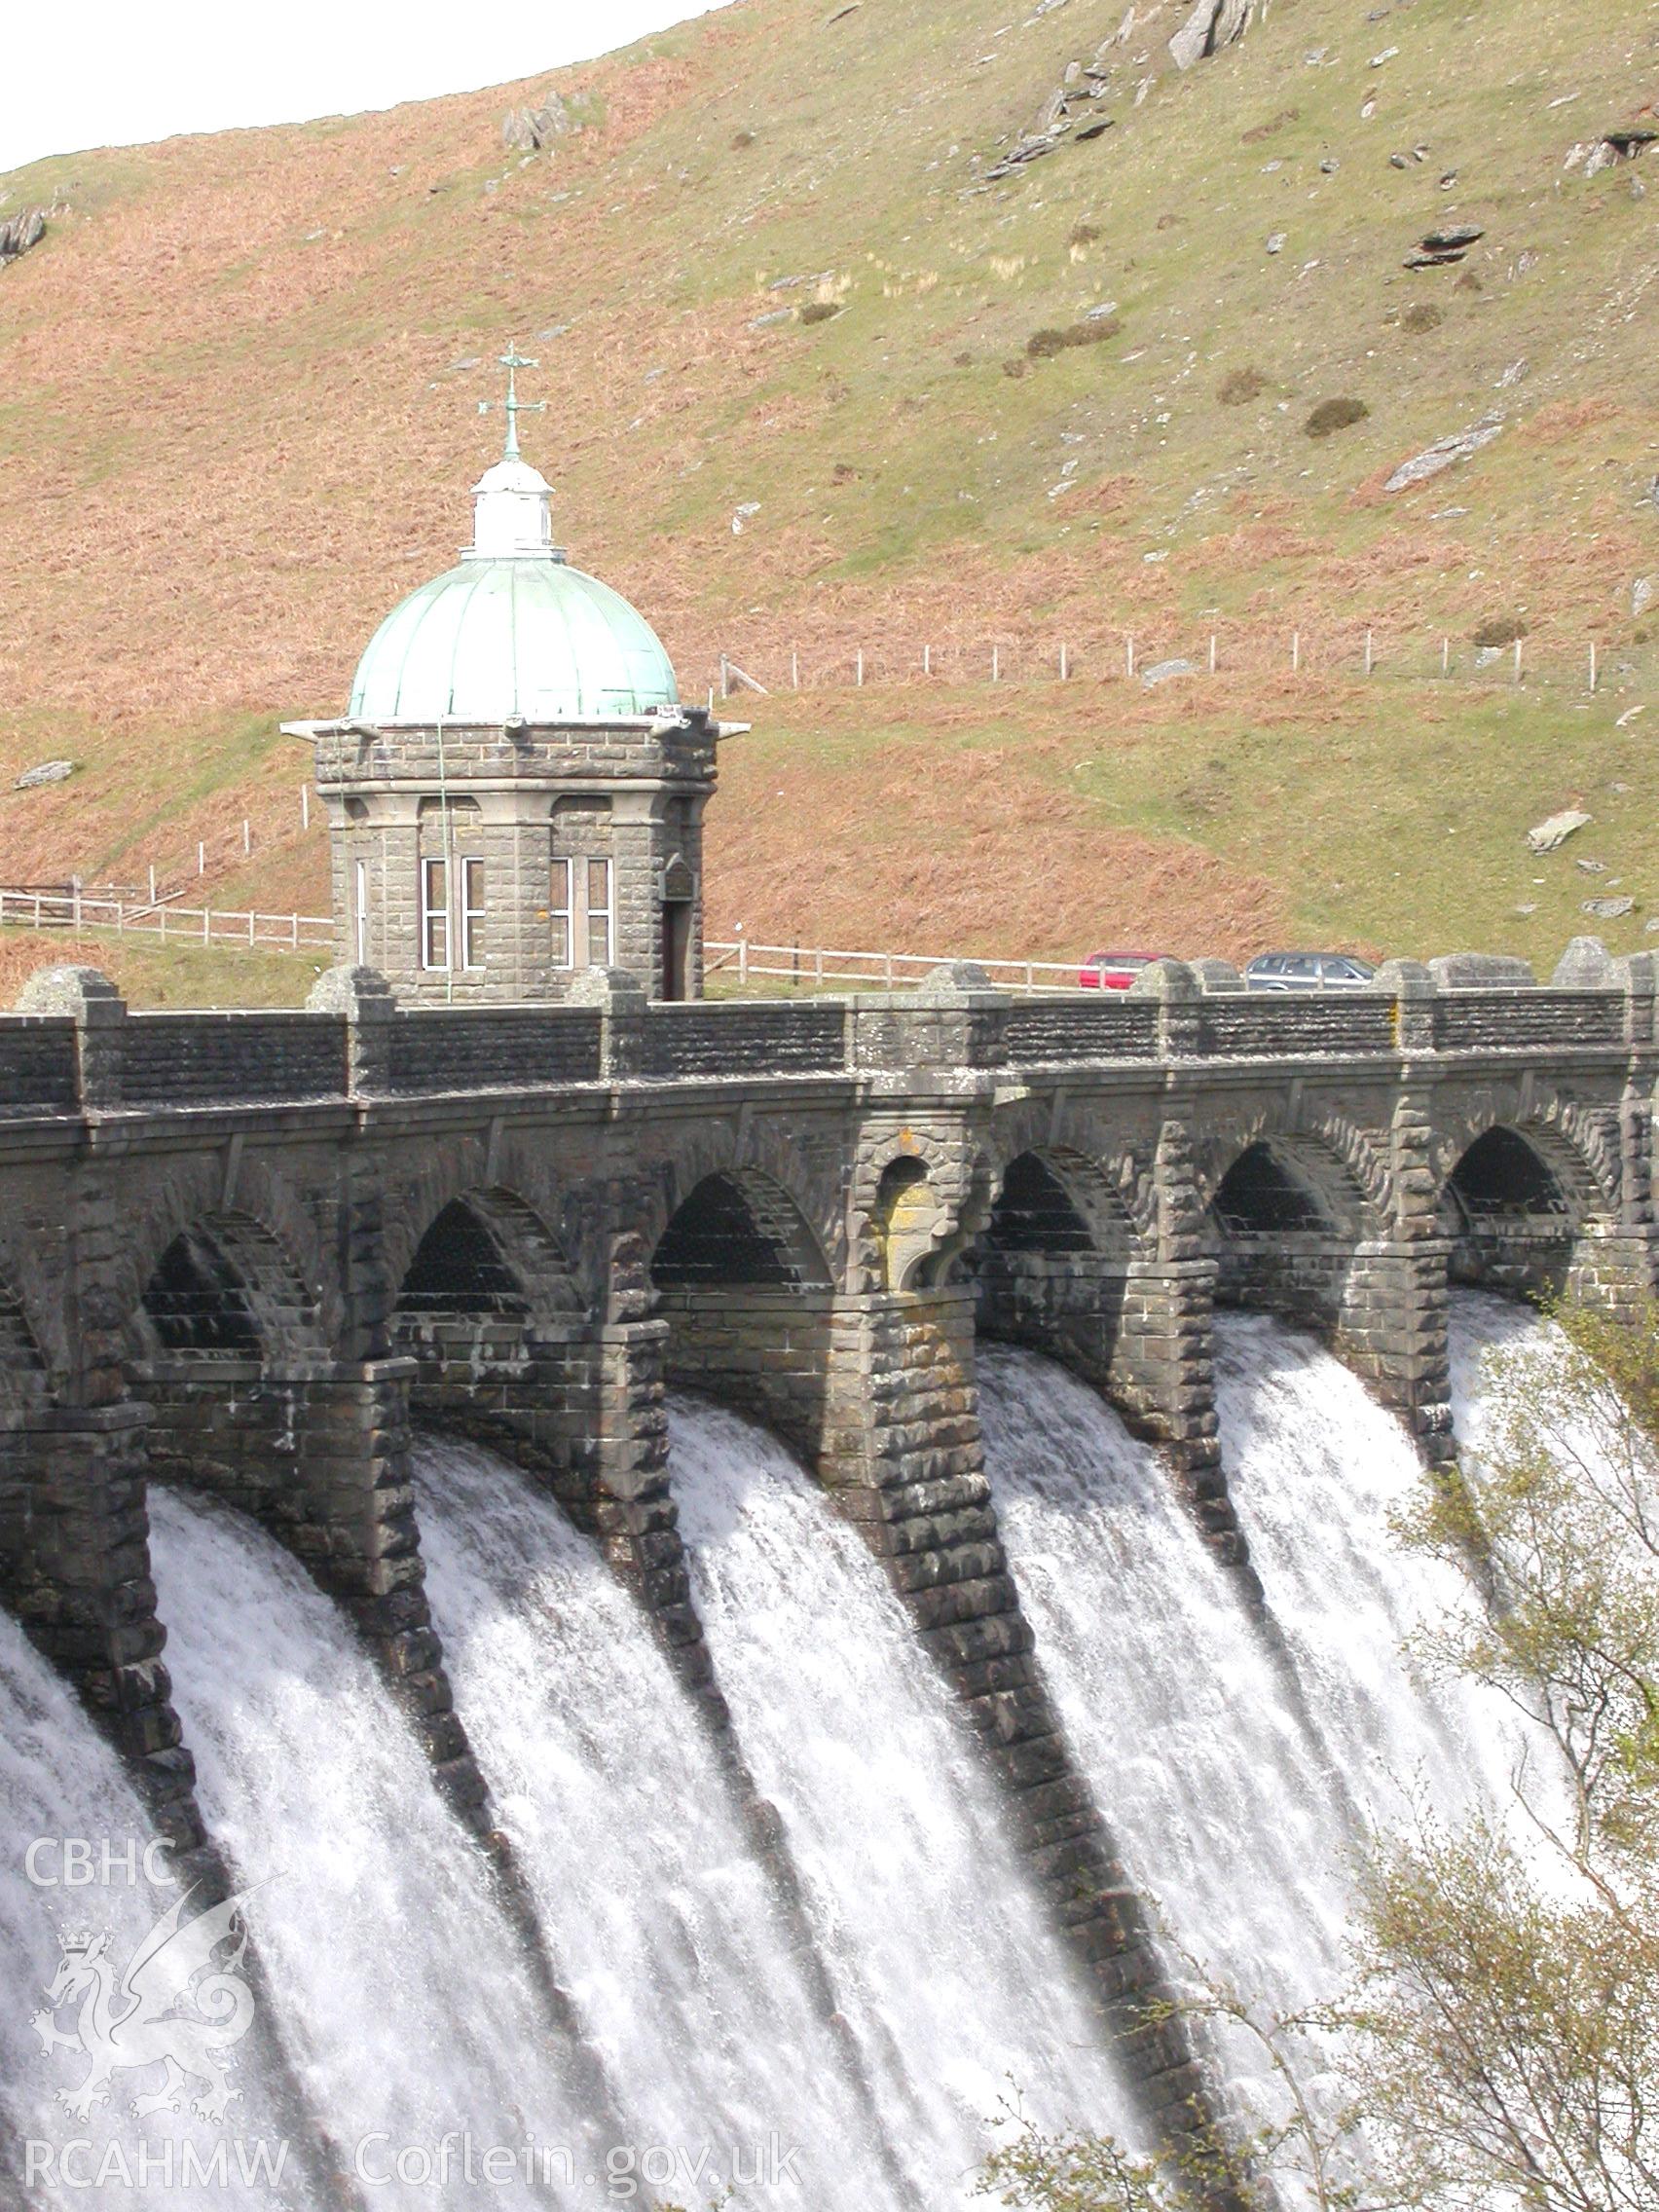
pixel 651 1893
pixel 76 1860
pixel 945 1965
pixel 1237 1758
pixel 406 2008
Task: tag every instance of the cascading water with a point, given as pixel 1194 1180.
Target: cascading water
pixel 654 1900
pixel 78 1859
pixel 946 1967
pixel 405 2001
pixel 1239 1761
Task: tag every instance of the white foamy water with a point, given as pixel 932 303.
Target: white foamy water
pixel 63 1788
pixel 946 1965
pixel 1240 1767
pixel 403 1996
pixel 655 1902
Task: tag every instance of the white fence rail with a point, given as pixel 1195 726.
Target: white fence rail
pixel 815 968
pixel 72 908
pixel 805 966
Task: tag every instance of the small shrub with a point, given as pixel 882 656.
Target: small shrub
pixel 1420 316
pixel 1015 367
pixel 964 361
pixel 1335 415
pixel 1240 385
pixel 819 311
pixel 1044 345
pixel 1501 630
pixel 1083 234
pixel 742 138
pixel 1468 281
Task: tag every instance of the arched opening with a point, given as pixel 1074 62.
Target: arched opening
pixel 1281 1243
pixel 906 1220
pixel 738 1230
pixel 1040 1275
pixel 1034 1211
pixel 225 1289
pixel 197 1303
pixel 743 1284
pixel 1508 1216
pixel 458 1268
pixel 226 1346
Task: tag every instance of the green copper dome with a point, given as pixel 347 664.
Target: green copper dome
pixel 525 635
pixel 515 630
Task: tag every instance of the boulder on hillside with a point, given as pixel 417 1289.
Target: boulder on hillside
pixel 1557 829
pixel 1444 453
pixel 20 232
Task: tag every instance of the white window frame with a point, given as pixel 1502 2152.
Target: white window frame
pixel 430 913
pixel 607 913
pixel 472 909
pixel 558 911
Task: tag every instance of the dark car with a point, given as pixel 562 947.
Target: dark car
pixel 1114 970
pixel 1309 972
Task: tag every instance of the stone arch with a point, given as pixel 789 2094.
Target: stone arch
pixel 1339 1170
pixel 225 1288
pixel 266 1232
pixel 1576 1143
pixel 23 1369
pixel 1512 1214
pixel 1285 1218
pixel 1050 1267
pixel 916 1204
pixel 739 1227
pixel 487 1253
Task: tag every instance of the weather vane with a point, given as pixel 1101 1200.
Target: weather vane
pixel 512 407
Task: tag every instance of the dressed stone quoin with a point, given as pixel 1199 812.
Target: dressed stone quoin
pixel 515 794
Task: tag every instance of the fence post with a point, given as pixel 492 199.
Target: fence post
pixel 152 884
pixel 202 860
pixel 1368 652
pixel 887 971
pixel 861 665
pixel 1445 656
pixel 1064 671
pixel 1592 665
pixel 248 835
pixel 1517 660
pixel 818 968
pixel 75 888
pixel 304 806
pixel 296 922
pixel 795 672
pixel 996 664
pixel 207 925
pixel 1295 651
pixel 1212 652
pixel 927 660
pixel 742 956
pixel 726 677
pixel 1130 657
pixel 250 922
pixel 120 918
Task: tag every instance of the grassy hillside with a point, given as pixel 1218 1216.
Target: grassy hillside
pixel 238 419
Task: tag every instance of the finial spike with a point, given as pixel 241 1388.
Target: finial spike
pixel 512 407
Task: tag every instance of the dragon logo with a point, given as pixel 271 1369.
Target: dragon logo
pixel 135 2019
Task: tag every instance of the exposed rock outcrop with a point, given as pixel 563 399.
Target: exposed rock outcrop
pixel 1212 25
pixel 532 129
pixel 20 232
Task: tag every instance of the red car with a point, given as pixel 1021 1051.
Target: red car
pixel 1114 970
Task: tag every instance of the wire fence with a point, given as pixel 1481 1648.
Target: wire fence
pixel 1151 659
